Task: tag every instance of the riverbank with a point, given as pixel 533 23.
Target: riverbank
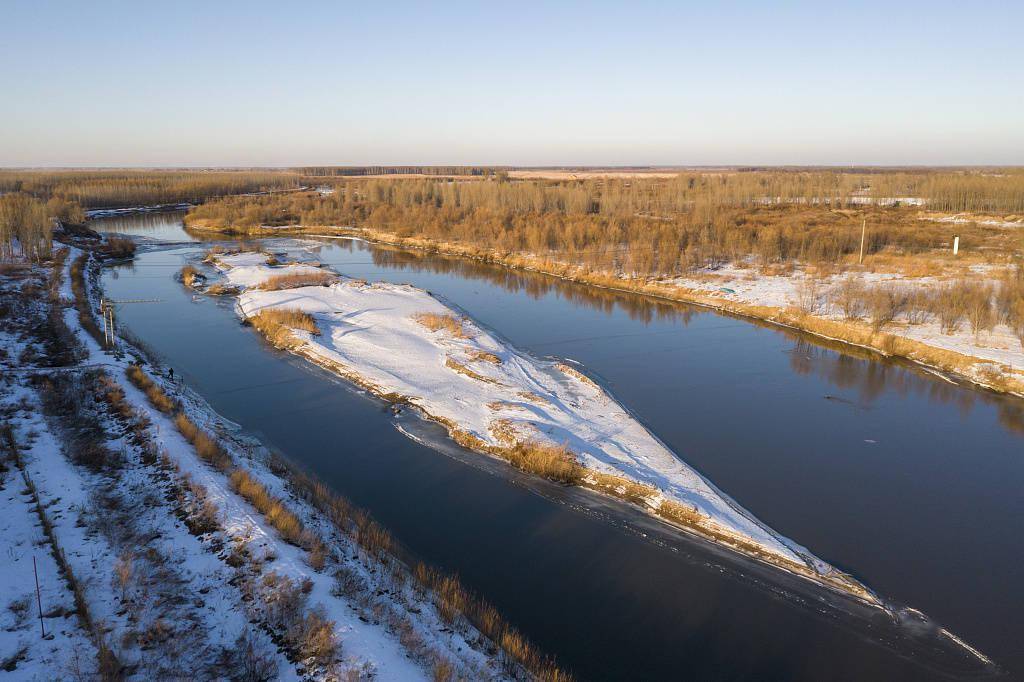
pixel 154 507
pixel 999 370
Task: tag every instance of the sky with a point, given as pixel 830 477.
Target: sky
pixel 510 83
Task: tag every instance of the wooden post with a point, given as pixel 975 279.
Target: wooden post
pixel 863 230
pixel 956 244
pixel 39 599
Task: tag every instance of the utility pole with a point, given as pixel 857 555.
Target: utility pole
pixel 107 311
pixel 39 599
pixel 863 231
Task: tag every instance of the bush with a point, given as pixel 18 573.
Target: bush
pixel 885 302
pixel 849 296
pixel 119 247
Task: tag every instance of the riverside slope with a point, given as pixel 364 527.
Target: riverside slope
pixel 477 384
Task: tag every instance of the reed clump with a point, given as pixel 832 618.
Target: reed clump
pixel 205 445
pixel 554 462
pixel 156 395
pixel 191 277
pixel 276 324
pixel 446 322
pixel 275 511
pixel 298 279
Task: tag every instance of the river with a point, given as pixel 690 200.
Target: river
pixel 911 483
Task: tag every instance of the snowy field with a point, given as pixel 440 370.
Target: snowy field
pixel 749 286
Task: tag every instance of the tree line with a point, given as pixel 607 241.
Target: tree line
pixel 638 226
pixel 123 188
pixel 26 224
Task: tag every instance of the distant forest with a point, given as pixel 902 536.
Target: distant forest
pixel 122 188
pixel 647 226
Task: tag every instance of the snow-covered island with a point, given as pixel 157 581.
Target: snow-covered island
pixel 405 345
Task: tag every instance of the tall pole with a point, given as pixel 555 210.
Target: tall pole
pixel 863 230
pixel 39 599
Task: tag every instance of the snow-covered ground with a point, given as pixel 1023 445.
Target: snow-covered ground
pixel 484 387
pixel 749 286
pixel 170 600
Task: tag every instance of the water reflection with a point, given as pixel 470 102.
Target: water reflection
pixel 161 225
pixel 846 367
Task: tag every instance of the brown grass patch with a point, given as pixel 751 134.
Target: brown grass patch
pixel 621 487
pixel 205 445
pixel 276 324
pixel 451 363
pixel 298 279
pixel 576 374
pixel 279 516
pixel 156 395
pixel 85 317
pixel 484 356
pixel 221 289
pixel 190 276
pixel 447 322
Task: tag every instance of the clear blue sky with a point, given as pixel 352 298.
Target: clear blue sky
pixel 254 83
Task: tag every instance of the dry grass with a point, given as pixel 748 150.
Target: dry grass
pixel 156 395
pixel 190 276
pixel 484 356
pixel 447 322
pixel 276 324
pixel 298 279
pixel 554 462
pixel 454 364
pixel 220 289
pixel 78 288
pixel 621 487
pixel 276 513
pixel 205 445
pixel 576 374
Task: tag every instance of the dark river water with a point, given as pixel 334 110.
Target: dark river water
pixel 913 484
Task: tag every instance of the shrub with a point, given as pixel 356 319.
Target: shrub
pixel 250 660
pixel 119 247
pixel 848 295
pixel 809 295
pixel 978 304
pixel 884 303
